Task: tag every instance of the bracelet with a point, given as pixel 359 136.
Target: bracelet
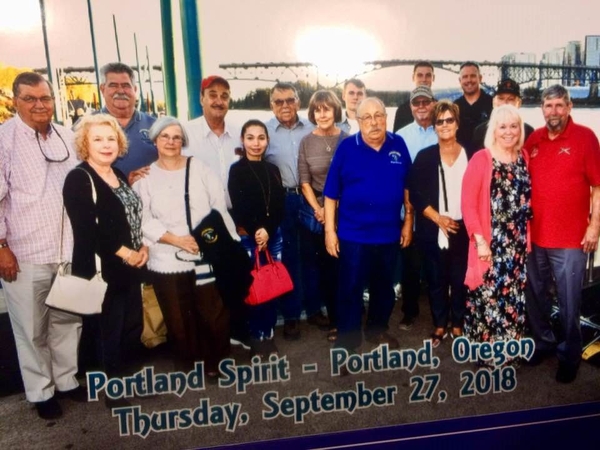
pixel 4 245
pixel 479 244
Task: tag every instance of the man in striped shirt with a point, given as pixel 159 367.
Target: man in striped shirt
pixel 35 157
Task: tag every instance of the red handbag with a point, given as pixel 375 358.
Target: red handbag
pixel 270 280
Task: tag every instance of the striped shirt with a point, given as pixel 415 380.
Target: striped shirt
pixel 31 191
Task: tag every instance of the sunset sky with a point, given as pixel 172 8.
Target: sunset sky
pixel 336 34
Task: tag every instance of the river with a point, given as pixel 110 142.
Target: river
pixel 590 117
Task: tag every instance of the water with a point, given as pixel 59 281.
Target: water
pixel 590 117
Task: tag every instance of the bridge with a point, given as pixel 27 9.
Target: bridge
pixel 522 73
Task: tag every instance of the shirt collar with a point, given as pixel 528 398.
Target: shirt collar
pixel 136 117
pixel 299 123
pixel 207 130
pixel 27 130
pixel 564 135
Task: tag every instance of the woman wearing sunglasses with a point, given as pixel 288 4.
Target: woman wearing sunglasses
pixel 196 318
pixel 435 186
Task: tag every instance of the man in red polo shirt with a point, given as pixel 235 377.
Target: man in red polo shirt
pixel 565 169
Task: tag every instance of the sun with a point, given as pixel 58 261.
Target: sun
pixel 337 51
pixel 24 16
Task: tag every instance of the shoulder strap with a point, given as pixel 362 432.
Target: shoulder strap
pixel 94 198
pixel 188 214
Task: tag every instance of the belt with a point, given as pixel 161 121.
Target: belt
pixel 294 190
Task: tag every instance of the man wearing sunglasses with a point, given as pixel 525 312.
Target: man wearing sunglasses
pixel 475 105
pixel 286 130
pixel 35 157
pixel 417 135
pixel 120 96
pixel 212 139
pixel 422 76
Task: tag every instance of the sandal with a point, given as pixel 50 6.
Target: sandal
pixel 332 335
pixel 437 337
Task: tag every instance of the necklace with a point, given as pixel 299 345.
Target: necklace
pixel 328 141
pixel 266 195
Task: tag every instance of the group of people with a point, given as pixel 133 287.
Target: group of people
pixel 465 193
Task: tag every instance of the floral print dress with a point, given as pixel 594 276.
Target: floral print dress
pixel 496 309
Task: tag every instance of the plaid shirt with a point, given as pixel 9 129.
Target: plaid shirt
pixel 31 191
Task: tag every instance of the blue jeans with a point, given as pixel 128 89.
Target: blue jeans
pixel 294 256
pixel 567 267
pixel 262 318
pixel 360 266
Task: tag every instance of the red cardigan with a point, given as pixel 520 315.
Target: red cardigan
pixel 476 210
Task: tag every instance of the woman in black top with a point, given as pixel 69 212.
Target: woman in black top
pixel 435 184
pixel 109 227
pixel 258 200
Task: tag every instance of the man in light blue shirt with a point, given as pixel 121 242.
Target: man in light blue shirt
pixel 417 135
pixel 420 133
pixel 286 130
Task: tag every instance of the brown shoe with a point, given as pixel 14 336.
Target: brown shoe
pixel 291 330
pixel 319 320
pixel 384 338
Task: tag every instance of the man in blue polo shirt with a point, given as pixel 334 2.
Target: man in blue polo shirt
pixel 119 92
pixel 366 185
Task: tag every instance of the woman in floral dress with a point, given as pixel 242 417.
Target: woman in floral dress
pixel 496 209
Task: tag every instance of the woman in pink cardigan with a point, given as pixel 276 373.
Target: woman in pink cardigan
pixel 496 208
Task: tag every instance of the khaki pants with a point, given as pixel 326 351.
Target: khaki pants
pixel 47 339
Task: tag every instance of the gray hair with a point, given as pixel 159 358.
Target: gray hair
pixel 371 100
pixel 116 67
pixel 165 122
pixel 29 79
pixel 499 114
pixel 281 86
pixel 556 91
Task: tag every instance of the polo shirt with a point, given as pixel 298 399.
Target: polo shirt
pixel 141 151
pixel 283 148
pixel 369 186
pixel 562 171
pixel 417 138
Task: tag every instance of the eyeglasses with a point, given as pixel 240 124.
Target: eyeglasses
pixel 448 121
pixel 165 138
pixel 46 157
pixel 46 100
pixel 288 101
pixel 378 117
pixel 419 103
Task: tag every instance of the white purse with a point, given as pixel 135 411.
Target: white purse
pixel 74 294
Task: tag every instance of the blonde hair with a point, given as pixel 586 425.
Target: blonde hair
pixel 499 114
pixel 82 130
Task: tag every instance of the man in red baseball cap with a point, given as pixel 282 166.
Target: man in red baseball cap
pixel 211 139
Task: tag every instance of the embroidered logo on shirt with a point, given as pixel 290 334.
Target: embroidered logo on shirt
pixel 534 152
pixel 395 157
pixel 564 150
